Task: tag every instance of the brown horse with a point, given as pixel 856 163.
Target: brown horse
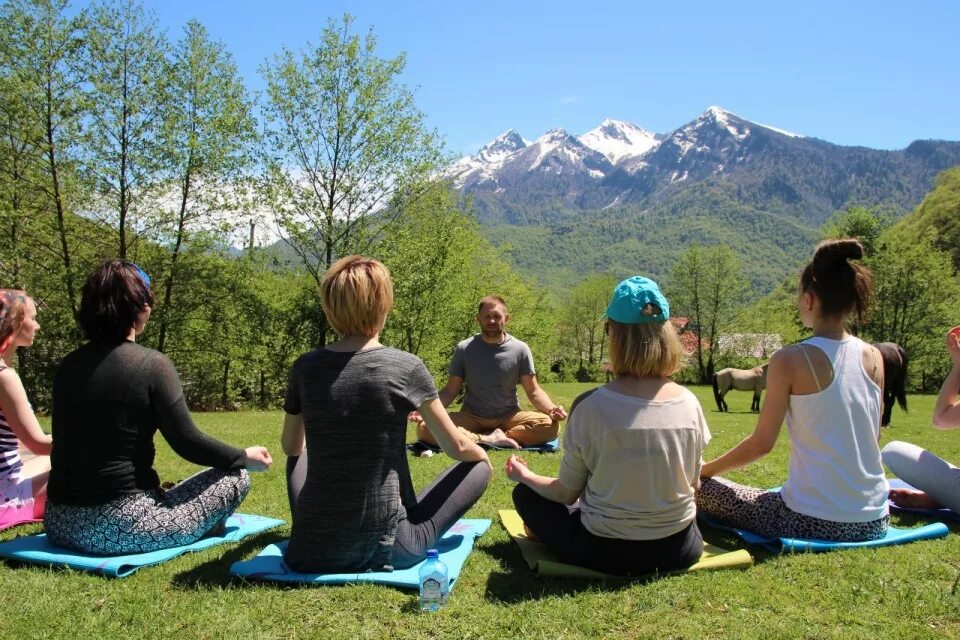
pixel 742 380
pixel 895 362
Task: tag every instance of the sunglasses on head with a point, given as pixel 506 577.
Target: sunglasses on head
pixel 143 274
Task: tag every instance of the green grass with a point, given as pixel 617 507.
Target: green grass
pixel 895 592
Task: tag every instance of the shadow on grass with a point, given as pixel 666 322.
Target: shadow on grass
pixel 215 574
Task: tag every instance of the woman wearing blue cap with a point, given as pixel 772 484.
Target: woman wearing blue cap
pixel 829 390
pixel 632 454
pixel 110 397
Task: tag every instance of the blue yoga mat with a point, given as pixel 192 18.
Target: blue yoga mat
pixel 939 514
pixel 454 548
pixel 36 549
pixel 783 545
pixel 547 447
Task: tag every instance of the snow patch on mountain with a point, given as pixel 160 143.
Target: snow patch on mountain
pixel 619 140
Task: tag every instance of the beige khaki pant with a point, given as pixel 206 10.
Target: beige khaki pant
pixel 529 428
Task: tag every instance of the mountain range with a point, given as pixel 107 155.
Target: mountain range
pixel 621 199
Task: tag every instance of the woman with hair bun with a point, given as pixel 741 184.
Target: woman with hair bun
pixel 829 389
pixel 624 499
pixel 110 397
pixel 23 486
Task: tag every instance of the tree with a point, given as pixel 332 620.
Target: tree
pixel 707 286
pixel 582 322
pixel 857 222
pixel 915 297
pixel 345 149
pixel 38 48
pixel 126 72
pixel 208 133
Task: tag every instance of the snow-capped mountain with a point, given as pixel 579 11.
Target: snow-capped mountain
pixel 619 140
pixel 509 157
pixel 619 164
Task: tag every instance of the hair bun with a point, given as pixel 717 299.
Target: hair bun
pixel 831 252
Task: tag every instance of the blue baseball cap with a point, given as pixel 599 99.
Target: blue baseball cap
pixel 631 296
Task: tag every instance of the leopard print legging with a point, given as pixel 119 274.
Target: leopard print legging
pixel 149 520
pixel 764 512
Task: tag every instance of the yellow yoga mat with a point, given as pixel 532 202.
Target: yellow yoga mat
pixel 546 564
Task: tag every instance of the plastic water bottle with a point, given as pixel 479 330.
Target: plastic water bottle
pixel 434 582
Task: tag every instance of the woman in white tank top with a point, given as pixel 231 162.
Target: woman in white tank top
pixel 829 390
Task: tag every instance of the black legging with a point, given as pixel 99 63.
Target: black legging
pixel 438 506
pixel 559 527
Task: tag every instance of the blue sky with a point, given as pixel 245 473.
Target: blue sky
pixel 878 74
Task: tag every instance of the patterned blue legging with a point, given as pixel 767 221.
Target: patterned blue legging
pixel 150 520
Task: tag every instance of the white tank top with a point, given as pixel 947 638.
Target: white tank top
pixel 835 468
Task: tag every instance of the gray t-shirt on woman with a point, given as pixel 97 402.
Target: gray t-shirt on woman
pixel 354 408
pixel 491 373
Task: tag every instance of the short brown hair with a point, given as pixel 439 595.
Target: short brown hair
pixel 356 295
pixel 645 350
pixel 491 300
pixel 112 298
pixel 843 287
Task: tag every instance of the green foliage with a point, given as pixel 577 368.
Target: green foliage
pixel 707 286
pixel 857 222
pixel 125 67
pixel 915 302
pixel 626 241
pixel 939 211
pixel 581 325
pixel 344 146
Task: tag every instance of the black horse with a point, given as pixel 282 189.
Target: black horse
pixel 895 362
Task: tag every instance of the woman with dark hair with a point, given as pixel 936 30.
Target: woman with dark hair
pixel 23 485
pixel 110 397
pixel 829 389
pixel 624 500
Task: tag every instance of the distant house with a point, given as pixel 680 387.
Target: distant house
pixel 688 337
pixel 749 345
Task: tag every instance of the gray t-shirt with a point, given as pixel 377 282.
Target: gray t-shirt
pixel 354 408
pixel 491 373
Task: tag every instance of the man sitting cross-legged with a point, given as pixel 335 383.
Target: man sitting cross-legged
pixel 491 364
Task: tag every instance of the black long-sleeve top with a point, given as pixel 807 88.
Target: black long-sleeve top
pixel 108 402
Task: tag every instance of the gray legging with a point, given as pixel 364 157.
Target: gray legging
pixel 936 477
pixel 438 506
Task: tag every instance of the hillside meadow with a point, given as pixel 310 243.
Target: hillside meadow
pixel 897 592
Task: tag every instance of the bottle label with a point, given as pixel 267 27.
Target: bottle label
pixel 432 590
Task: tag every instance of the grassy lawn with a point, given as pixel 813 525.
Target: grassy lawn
pixel 895 592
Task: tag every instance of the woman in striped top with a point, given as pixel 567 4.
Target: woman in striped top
pixel 22 485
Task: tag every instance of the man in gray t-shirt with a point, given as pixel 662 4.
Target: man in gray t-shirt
pixel 492 364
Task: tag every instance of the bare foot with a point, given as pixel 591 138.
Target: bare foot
pixel 913 499
pixel 217 530
pixel 527 531
pixel 497 438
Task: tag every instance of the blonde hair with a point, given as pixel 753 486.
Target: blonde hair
pixel 645 350
pixel 356 295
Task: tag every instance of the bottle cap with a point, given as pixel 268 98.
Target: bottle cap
pixel 432 554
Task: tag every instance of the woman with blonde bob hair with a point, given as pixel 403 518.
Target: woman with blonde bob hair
pixel 353 503
pixel 632 454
